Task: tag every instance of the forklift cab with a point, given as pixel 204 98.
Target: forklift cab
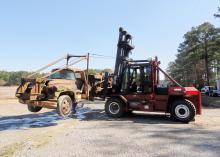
pixel 137 79
pixel 140 87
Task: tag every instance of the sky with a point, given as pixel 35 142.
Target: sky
pixel 36 32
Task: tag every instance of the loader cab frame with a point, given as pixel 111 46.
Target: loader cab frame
pixel 140 86
pixel 137 79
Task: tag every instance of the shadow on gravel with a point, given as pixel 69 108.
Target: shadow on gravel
pixel 51 118
pixel 207 141
pixel 196 140
pixel 29 121
pixel 88 114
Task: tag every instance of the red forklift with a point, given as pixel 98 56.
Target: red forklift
pixel 136 86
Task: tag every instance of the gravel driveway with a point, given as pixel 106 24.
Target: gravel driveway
pixel 91 133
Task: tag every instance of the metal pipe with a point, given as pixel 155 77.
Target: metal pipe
pixel 87 67
pixel 174 81
pixel 87 74
pixel 70 56
pixel 46 66
pixel 62 68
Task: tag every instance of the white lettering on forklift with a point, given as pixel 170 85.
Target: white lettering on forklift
pixel 146 107
pixel 177 89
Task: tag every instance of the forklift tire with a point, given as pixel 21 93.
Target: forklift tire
pixel 114 108
pixel 32 108
pixel 183 110
pixel 64 106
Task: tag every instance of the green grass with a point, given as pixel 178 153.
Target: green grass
pixel 10 150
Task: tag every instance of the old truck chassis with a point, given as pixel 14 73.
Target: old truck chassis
pixel 47 90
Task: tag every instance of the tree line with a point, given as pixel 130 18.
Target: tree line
pixel 11 78
pixel 96 71
pixel 198 59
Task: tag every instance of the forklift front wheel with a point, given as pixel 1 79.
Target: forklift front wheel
pixel 114 108
pixel 183 110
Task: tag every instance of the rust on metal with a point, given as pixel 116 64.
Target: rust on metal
pixel 45 91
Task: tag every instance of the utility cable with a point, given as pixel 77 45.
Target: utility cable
pixel 100 55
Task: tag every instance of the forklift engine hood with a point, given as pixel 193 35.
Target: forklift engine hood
pixel 191 91
pixel 183 91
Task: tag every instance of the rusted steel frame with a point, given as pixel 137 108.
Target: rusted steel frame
pixel 71 56
pixel 87 66
pixel 45 67
pixel 63 68
pixel 174 81
pixel 80 59
pixel 87 74
pixel 67 57
pixel 79 56
pixel 46 104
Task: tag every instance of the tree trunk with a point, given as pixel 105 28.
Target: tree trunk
pixel 206 62
pixel 218 69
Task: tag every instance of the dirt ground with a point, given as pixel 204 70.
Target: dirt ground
pixel 7 92
pixel 91 133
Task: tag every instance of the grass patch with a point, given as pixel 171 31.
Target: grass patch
pixel 10 150
pixel 41 142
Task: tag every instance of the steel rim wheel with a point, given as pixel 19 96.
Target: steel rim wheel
pixel 114 108
pixel 182 111
pixel 66 107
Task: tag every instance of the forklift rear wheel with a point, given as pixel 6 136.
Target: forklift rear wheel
pixel 183 110
pixel 114 108
pixel 64 106
pixel 32 108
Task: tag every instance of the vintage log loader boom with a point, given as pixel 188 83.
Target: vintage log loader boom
pixel 61 89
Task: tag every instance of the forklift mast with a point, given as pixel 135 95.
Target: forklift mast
pixel 124 48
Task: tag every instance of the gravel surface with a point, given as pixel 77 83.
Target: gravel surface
pixel 91 133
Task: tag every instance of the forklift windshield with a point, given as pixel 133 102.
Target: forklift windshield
pixel 137 79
